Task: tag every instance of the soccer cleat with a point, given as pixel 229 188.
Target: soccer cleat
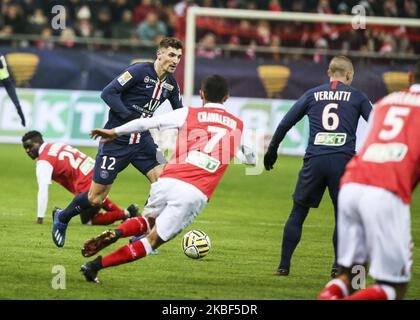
pixel 281 272
pixel 94 245
pixel 133 210
pixel 334 273
pixel 90 270
pixel 137 238
pixel 59 228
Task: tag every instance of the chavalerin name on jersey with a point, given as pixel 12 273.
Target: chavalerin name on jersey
pixel 217 118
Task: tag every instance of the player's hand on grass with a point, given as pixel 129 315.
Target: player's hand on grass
pixel 39 220
pixel 106 135
pixel 270 159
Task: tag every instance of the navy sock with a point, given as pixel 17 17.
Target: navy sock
pixel 292 234
pixel 79 203
pixel 335 236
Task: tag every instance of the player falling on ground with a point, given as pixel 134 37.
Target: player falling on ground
pixel 135 93
pixel 8 85
pixel 333 110
pixel 374 201
pixel 73 170
pixel 207 141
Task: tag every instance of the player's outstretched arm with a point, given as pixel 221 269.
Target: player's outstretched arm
pixel 170 120
pixel 11 91
pixel 293 116
pixel 106 135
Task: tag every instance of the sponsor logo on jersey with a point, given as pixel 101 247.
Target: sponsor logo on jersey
pixel 203 161
pixel 124 78
pixel 330 139
pixel 385 152
pixel 147 79
pixel 168 86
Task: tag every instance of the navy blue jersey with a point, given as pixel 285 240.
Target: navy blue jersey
pixel 333 110
pixel 137 93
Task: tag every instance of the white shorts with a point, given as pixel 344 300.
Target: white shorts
pixel 174 204
pixel 374 226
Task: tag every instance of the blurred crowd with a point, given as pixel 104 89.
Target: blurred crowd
pixel 147 21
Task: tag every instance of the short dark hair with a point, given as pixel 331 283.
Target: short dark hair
pixel 170 42
pixel 416 72
pixel 215 88
pixel 32 134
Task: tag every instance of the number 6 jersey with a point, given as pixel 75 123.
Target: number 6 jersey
pixel 333 110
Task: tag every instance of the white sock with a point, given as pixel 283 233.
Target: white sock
pixel 147 245
pixel 127 213
pixel 340 283
pixel 389 291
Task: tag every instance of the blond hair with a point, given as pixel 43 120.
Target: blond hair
pixel 340 65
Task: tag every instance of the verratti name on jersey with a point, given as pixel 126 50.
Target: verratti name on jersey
pixel 332 95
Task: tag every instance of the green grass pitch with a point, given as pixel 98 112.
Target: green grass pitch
pixel 244 220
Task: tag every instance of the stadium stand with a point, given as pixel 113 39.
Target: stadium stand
pixel 108 24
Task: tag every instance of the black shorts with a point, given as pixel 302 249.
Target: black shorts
pixel 112 158
pixel 318 173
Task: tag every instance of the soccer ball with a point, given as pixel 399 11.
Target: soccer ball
pixel 196 244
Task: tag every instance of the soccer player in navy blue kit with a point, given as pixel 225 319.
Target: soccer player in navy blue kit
pixel 8 85
pixel 136 93
pixel 333 110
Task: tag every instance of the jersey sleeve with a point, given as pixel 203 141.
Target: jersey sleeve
pixel 44 172
pixel 175 99
pixel 293 116
pixel 170 120
pixel 4 73
pixel 365 107
pixel 111 94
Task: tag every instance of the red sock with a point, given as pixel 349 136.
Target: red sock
pixel 133 227
pixel 334 290
pixel 108 205
pixel 127 253
pixel 108 217
pixel 370 293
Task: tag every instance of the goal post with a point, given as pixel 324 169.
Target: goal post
pixel 194 12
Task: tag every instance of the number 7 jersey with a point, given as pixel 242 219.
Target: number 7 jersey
pixel 390 157
pixel 71 168
pixel 207 142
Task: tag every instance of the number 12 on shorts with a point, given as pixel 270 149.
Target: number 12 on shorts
pixel 108 163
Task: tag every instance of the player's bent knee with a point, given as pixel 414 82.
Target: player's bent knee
pixel 151 221
pixel 154 173
pixel 96 200
pixel 154 239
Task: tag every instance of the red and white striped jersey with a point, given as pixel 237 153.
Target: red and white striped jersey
pixel 207 142
pixel 71 168
pixel 390 157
